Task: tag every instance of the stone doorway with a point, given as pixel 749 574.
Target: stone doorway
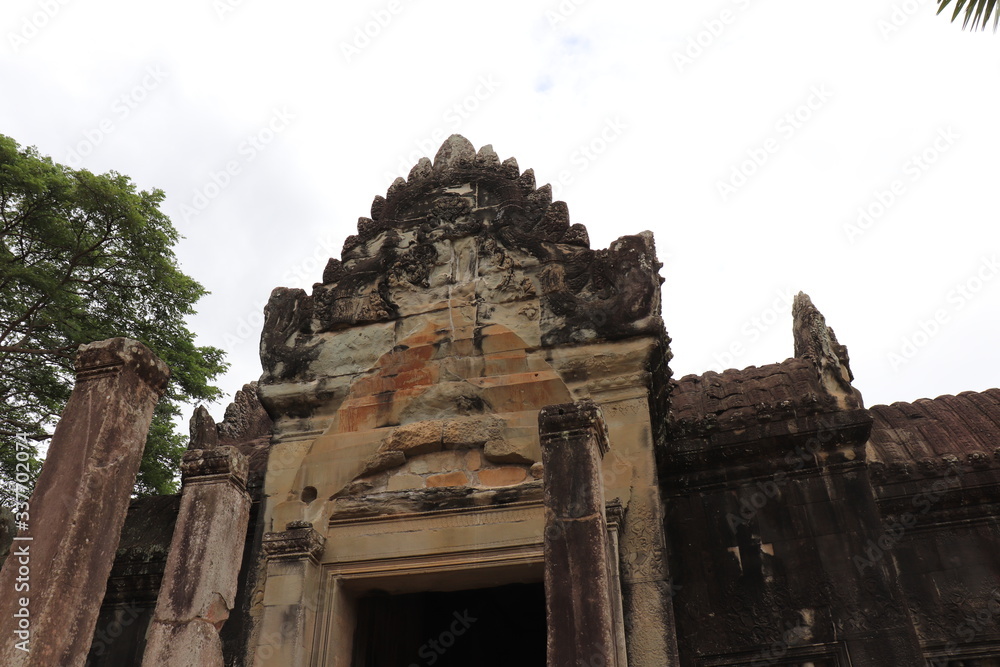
pixel 487 627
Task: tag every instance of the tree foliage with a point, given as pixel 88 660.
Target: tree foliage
pixel 977 12
pixel 85 257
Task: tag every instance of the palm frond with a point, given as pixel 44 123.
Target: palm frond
pixel 977 12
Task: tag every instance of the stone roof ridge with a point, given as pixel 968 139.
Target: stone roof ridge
pixel 931 435
pixel 735 398
pixel 457 162
pixel 748 372
pixel 816 379
pixel 992 391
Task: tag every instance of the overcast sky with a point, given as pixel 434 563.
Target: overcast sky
pixel 845 149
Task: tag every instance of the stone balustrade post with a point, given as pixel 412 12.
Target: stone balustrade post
pixel 202 570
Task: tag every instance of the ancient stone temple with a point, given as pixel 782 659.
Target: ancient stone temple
pixel 466 449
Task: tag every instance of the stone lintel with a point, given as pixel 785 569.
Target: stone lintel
pixel 300 540
pixel 209 465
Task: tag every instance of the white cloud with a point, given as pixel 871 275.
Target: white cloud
pixel 559 85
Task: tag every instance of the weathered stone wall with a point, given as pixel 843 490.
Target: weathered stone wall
pixel 410 379
pixel 120 634
pixel 804 528
pixel 936 470
pixel 200 578
pixel 779 523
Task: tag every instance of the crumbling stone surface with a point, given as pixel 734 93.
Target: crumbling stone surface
pixel 409 501
pixel 79 505
pixel 454 478
pixel 523 247
pixel 246 420
pixel 816 381
pixel 734 399
pixel 246 426
pixel 410 379
pixel 416 438
pixel 201 575
pixel 815 341
pixel 578 580
pixel 506 476
pixel 769 506
pixel 204 432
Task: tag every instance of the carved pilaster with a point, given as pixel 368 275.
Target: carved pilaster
pixel 299 540
pixel 289 618
pixel 579 584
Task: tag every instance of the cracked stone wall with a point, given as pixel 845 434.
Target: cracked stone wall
pixel 411 377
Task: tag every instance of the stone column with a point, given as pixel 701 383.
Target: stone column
pixel 52 585
pixel 615 517
pixel 203 566
pixel 578 586
pixel 290 596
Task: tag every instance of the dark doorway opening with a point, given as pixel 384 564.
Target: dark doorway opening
pixel 486 627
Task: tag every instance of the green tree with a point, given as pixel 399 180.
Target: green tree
pixel 85 257
pixel 977 12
